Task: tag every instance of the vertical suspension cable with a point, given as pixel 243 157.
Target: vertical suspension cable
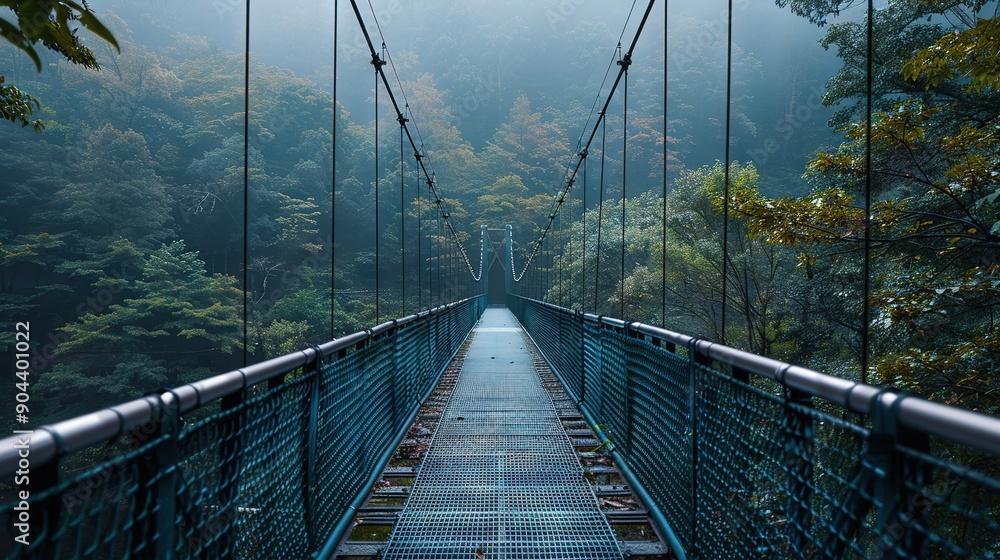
pixel 583 259
pixel 663 235
pixel 866 292
pixel 402 214
pixel 547 277
pixel 377 244
pixel 600 215
pixel 431 243
pixel 246 182
pixel 333 189
pixel 440 253
pixel 562 254
pixel 725 204
pixel 621 293
pixel 420 243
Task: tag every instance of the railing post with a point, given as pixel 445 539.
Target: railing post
pixel 231 454
pixel 42 478
pixel 309 476
pixel 901 509
pixel 393 392
pixel 694 386
pixel 583 356
pixel 165 468
pixel 798 436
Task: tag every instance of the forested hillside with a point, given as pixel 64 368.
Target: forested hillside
pixel 122 221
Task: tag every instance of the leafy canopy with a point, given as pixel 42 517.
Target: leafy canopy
pixel 51 23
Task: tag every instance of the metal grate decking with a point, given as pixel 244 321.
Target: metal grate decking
pixel 501 479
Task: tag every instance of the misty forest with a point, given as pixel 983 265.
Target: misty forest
pixel 122 169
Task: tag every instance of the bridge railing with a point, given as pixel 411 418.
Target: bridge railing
pixel 269 461
pixel 748 457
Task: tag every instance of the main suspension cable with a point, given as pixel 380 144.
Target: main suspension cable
pixel 439 201
pixel 575 169
pixel 611 64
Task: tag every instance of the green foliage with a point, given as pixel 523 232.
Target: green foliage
pixel 18 106
pixel 169 164
pixel 115 194
pixel 155 337
pixel 934 222
pixel 48 23
pixel 816 11
pixel 283 337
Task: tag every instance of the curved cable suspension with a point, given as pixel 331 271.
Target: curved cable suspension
pixel 616 56
pixel 438 200
pixel 624 63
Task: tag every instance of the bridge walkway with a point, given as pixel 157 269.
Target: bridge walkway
pixel 501 478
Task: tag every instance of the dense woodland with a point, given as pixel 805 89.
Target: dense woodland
pixel 121 222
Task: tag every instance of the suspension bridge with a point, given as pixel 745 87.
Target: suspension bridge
pixel 500 425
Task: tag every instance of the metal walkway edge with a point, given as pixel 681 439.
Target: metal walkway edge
pixel 501 479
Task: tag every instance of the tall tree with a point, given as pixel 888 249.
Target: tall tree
pixel 166 333
pixel 934 226
pixel 115 194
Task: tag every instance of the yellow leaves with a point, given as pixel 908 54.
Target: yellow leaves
pixel 970 55
pixel 823 217
pixel 841 162
pixel 806 261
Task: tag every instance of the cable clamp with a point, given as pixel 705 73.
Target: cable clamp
pixel 377 62
pixel 320 359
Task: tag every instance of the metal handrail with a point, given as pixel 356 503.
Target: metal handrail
pixel 974 429
pixel 74 434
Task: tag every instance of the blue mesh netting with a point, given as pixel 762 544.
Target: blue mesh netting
pixel 267 473
pixel 754 470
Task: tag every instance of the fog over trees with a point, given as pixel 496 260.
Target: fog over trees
pixel 122 216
